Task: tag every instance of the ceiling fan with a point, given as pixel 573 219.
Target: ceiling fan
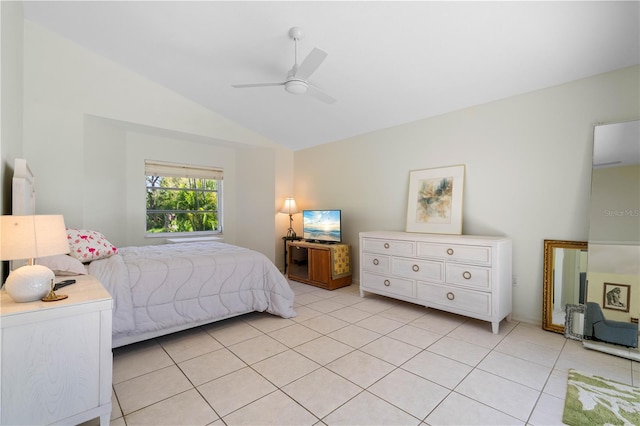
pixel 297 81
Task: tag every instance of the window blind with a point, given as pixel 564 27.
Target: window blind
pixel 158 168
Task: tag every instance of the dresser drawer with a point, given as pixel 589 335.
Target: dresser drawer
pixel 376 263
pixel 378 245
pixel 417 269
pixel 455 298
pixel 454 252
pixel 388 284
pixel 469 276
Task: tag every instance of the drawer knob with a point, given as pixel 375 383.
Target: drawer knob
pixel 415 268
pixel 386 245
pixel 376 262
pixel 387 283
pixel 450 251
pixel 466 275
pixel 451 296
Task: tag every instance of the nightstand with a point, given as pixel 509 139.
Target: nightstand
pixel 56 360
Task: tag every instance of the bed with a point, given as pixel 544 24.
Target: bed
pixel 161 289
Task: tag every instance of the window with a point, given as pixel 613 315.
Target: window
pixel 183 199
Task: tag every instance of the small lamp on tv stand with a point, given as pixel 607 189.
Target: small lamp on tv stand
pixel 289 207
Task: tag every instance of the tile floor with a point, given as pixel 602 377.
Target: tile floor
pixel 346 360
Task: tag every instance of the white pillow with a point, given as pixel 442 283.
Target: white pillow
pixel 62 264
pixel 87 245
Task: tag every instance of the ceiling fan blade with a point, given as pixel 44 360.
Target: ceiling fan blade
pixel 319 94
pixel 242 86
pixel 310 63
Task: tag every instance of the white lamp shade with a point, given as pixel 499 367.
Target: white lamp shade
pixel 32 236
pixel 289 206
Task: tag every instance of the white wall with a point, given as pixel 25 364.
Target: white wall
pixel 11 40
pixel 89 124
pixel 528 170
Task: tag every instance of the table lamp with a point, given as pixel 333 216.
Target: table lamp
pixel 289 207
pixel 30 237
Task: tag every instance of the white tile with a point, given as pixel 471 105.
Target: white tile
pixel 323 350
pixel 294 335
pixel 354 336
pixel 326 305
pixel 285 367
pixel 509 397
pixel 150 388
pixel 350 314
pixel 480 332
pixel 235 390
pixel 232 331
pixel 304 313
pixel 458 350
pixel 267 322
pixel 345 297
pixel 438 322
pixel 187 408
pixel 274 409
pixel 533 334
pixel 415 336
pixel 324 324
pixel 188 344
pixel 557 384
pixel 307 298
pixel 138 359
pixel 404 312
pixel 379 324
pixel 257 349
pixel 321 391
pixel 539 354
pixel 361 368
pixel 391 350
pixel 548 411
pixel 368 409
pixel 518 370
pixel 410 392
pixel 458 410
pixel 211 366
pixel 441 370
pixel 374 304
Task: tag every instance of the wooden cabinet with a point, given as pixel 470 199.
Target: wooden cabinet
pixel 323 265
pixel 56 362
pixel 464 274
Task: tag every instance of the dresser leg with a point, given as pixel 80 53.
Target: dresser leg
pixel 495 326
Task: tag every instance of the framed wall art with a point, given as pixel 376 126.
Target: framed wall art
pixel 435 200
pixel 616 297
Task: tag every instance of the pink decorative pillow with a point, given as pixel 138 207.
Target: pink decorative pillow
pixel 89 245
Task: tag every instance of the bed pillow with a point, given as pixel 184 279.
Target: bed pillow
pixel 87 245
pixel 63 264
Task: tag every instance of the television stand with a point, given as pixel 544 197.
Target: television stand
pixel 322 265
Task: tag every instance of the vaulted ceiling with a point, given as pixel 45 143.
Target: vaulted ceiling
pixel 388 63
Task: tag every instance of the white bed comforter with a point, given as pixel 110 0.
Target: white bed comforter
pixel 166 286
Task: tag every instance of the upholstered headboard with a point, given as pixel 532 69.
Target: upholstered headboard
pixel 23 197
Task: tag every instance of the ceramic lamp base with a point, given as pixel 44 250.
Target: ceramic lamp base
pixel 29 283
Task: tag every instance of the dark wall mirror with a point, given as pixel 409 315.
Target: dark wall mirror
pixel 564 280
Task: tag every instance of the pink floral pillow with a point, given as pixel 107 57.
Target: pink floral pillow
pixel 86 245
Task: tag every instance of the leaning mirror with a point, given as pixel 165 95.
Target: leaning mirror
pixel 564 280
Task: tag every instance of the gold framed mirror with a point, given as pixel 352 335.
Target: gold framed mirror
pixel 564 280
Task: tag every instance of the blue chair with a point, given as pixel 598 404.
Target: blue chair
pixel 596 327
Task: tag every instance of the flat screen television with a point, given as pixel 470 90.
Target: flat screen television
pixel 322 226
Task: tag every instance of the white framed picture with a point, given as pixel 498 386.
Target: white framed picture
pixel 435 200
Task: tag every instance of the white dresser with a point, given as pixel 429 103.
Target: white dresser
pixel 465 274
pixel 56 359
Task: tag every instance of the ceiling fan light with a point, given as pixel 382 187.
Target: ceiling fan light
pixel 296 87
